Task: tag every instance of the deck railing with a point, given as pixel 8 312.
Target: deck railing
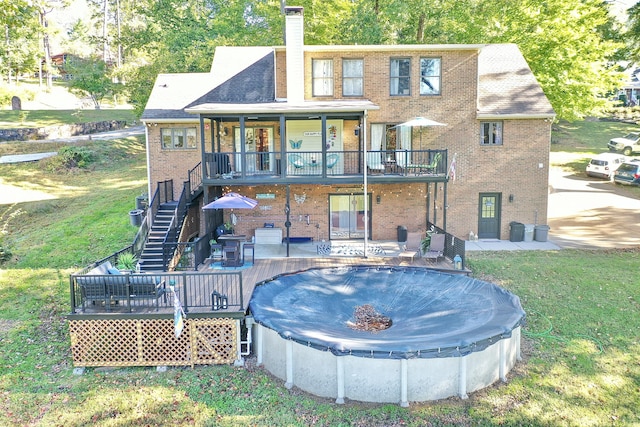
pixel 453 245
pixel 113 293
pixel 275 164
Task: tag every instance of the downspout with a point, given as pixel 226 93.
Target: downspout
pixel 366 199
pixel 203 156
pixel 243 158
pixel 150 194
pixel 444 208
pixel 287 210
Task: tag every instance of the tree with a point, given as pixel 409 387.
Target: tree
pixel 569 44
pixel 19 47
pixel 89 77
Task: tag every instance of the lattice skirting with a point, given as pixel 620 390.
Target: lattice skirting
pixel 151 342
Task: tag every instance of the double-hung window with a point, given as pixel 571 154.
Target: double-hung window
pixel 352 77
pixel 430 76
pixel 400 76
pixel 491 133
pixel 178 138
pixel 322 77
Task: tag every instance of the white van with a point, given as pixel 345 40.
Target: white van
pixel 604 165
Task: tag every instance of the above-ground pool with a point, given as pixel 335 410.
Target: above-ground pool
pixel 385 334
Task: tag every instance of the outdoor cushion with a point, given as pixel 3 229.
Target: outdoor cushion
pixel 144 279
pixel 114 271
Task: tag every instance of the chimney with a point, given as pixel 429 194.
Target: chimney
pixel 294 42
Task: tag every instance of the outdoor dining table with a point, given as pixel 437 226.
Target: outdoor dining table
pixel 224 238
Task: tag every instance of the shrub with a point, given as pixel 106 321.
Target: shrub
pixel 70 158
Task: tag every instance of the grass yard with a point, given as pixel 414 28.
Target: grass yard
pixel 10 119
pixel 581 346
pixel 574 144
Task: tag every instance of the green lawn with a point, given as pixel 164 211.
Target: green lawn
pixel 574 144
pixel 581 343
pixel 10 119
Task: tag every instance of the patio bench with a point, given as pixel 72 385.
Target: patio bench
pixel 107 285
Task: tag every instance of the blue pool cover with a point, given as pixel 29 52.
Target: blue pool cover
pixel 433 314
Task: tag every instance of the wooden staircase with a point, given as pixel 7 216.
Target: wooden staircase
pixel 151 258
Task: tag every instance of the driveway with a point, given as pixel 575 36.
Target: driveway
pixel 590 213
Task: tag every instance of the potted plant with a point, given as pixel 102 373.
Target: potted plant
pixel 228 227
pixel 425 243
pixel 126 262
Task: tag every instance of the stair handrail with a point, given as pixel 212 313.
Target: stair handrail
pixel 141 237
pixel 170 242
pixel 194 181
pixel 160 196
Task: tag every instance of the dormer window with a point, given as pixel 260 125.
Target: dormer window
pixel 322 77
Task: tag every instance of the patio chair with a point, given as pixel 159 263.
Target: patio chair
pixel 412 247
pixel 374 161
pixel 431 167
pixel 436 247
pixel 231 256
pixel 332 160
pixel 296 161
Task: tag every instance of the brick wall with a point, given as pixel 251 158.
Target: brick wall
pixel 399 205
pixel 518 167
pixel 165 164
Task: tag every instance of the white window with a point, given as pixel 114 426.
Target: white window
pixel 352 77
pixel 430 71
pixel 491 133
pixel 178 138
pixel 400 76
pixel 322 77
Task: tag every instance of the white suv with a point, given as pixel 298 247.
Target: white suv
pixel 627 144
pixel 604 165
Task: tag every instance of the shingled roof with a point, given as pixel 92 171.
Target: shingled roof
pixel 507 87
pixel 243 75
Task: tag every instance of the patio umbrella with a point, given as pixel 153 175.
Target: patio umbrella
pixel 232 201
pixel 420 122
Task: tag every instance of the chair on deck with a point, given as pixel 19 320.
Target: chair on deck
pixel 216 250
pixel 374 161
pixel 332 160
pixel 231 254
pixel 296 161
pixel 431 167
pixel 436 247
pixel 412 248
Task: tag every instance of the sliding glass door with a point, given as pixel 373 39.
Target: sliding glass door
pixel 346 216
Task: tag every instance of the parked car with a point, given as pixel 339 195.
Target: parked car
pixel 627 144
pixel 628 173
pixel 604 165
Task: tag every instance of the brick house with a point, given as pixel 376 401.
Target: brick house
pixel 313 133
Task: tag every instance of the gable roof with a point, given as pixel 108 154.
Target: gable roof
pixel 242 75
pixel 507 87
pixel 242 79
pixel 245 75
